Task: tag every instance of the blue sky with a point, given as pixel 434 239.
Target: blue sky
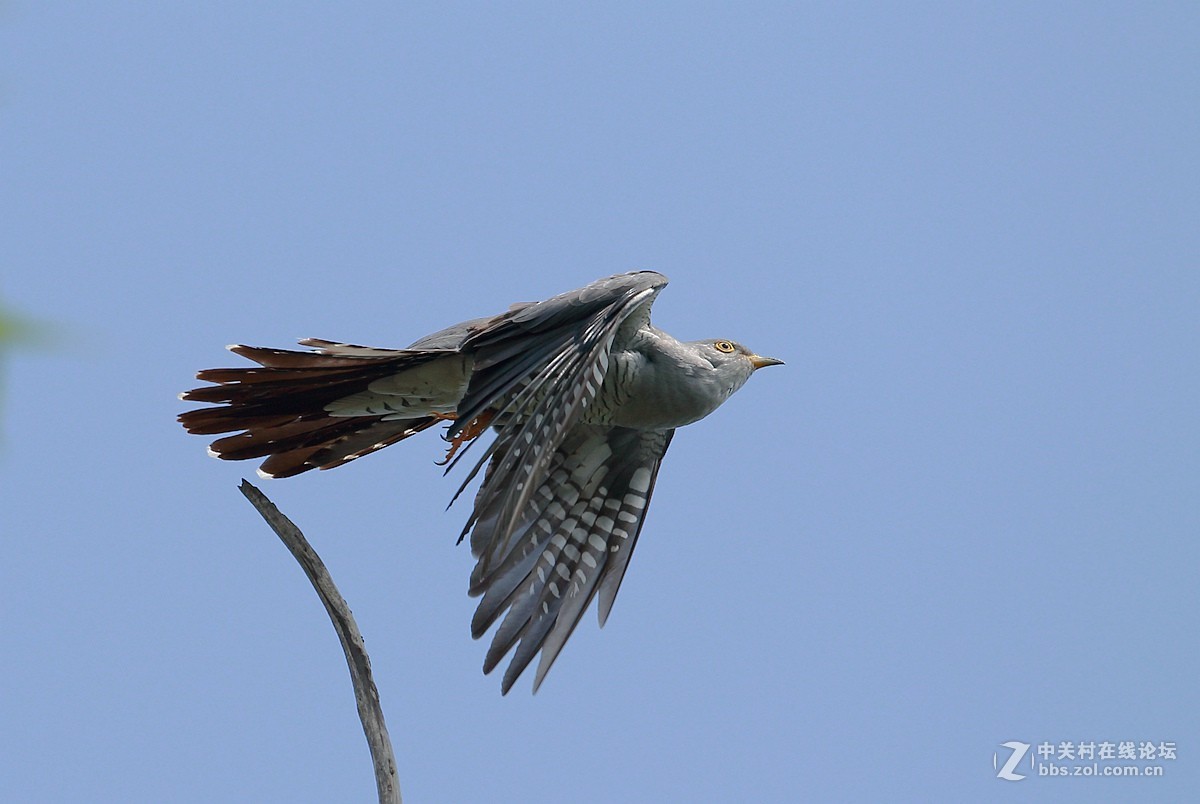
pixel 965 513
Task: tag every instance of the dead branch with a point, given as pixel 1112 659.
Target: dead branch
pixel 365 693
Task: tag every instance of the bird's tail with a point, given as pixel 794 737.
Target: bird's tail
pixel 278 409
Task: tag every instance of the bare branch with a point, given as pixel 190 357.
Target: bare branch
pixel 365 693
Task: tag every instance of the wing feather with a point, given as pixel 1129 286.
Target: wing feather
pixel 540 367
pixel 572 542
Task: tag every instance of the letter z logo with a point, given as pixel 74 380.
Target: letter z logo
pixel 1018 753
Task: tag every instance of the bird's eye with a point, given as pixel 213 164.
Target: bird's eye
pixel 724 346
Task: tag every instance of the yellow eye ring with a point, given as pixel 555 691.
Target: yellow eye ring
pixel 725 346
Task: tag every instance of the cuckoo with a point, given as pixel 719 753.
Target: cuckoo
pixel 584 396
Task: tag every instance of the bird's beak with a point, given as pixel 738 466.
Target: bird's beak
pixel 758 361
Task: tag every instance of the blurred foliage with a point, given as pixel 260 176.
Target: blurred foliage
pixel 17 331
pixel 10 328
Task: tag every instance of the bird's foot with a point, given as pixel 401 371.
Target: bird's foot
pixel 473 430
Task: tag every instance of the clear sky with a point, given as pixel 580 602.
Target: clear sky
pixel 966 512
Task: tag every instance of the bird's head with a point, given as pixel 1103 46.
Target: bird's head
pixel 733 362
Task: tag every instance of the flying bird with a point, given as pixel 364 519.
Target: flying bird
pixel 584 396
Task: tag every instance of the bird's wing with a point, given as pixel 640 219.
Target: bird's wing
pixel 572 542
pixel 558 332
pixel 538 367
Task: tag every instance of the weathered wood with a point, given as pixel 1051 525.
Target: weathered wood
pixel 365 693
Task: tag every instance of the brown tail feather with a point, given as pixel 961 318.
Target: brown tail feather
pixel 291 358
pixel 280 408
pixel 212 421
pixel 253 376
pixel 334 453
pixel 299 393
pixel 257 442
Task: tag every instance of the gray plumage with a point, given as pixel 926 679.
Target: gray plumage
pixel 584 395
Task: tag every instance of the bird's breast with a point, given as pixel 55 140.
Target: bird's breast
pixel 642 393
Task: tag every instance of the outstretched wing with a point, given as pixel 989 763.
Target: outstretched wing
pixel 572 541
pixel 532 338
pixel 538 367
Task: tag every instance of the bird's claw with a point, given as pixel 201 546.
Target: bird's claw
pixel 473 430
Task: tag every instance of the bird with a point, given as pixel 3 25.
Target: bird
pixel 584 396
